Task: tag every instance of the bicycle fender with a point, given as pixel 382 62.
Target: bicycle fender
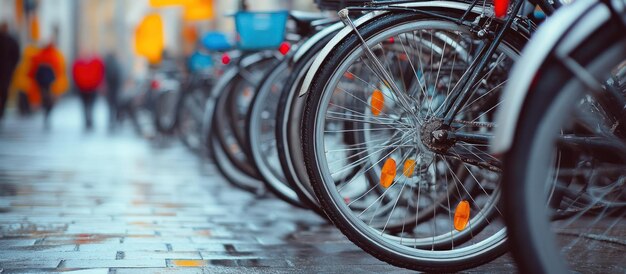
pixel 231 72
pixel 560 34
pixel 234 69
pixel 320 35
pixel 345 31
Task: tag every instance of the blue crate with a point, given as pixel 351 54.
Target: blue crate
pixel 260 30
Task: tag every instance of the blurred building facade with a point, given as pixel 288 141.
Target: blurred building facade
pixel 102 26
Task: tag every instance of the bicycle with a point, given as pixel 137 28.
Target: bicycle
pixel 206 67
pixel 563 146
pixel 396 129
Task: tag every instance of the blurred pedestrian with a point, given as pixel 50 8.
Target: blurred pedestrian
pixel 47 67
pixel 9 54
pixel 113 81
pixel 88 73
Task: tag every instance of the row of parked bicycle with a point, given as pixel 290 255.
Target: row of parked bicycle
pixel 436 135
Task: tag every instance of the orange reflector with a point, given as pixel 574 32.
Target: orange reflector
pixel 378 102
pixel 247 92
pixel 461 215
pixel 409 167
pixel 388 173
pixel 348 75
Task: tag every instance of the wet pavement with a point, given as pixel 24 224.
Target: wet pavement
pixel 101 202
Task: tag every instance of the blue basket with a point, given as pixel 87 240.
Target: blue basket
pixel 260 30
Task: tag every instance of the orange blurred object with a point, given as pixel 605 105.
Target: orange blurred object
pixel 198 10
pixel 166 3
pixel 19 11
pixel 190 38
pixel 409 168
pixel 194 10
pixel 461 215
pixel 21 79
pixel 34 28
pixel 52 57
pixel 190 33
pixel 149 38
pixel 388 173
pixel 377 103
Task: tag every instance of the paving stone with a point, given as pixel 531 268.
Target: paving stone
pixel 169 270
pixel 29 263
pixel 8 243
pixel 123 247
pixel 197 247
pixel 40 248
pixel 137 263
pixel 6 256
pixel 133 255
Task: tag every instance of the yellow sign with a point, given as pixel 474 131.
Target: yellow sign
pixel 198 10
pixel 166 3
pixel 193 9
pixel 149 38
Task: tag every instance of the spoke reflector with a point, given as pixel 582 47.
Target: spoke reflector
pixel 377 103
pixel 461 215
pixel 409 168
pixel 388 173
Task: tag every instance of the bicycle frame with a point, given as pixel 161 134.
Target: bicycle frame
pixel 378 12
pixel 475 71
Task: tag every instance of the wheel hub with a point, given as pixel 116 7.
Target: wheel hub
pixel 435 136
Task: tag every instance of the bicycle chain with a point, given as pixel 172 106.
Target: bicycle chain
pixel 470 123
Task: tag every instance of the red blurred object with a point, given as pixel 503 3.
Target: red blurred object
pixel 154 84
pixel 500 7
pixel 391 39
pixel 284 48
pixel 225 59
pixel 88 73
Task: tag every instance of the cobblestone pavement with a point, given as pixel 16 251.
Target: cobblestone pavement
pixel 95 202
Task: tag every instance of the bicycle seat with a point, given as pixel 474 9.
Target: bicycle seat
pixel 216 41
pixel 340 4
pixel 306 21
pixel 303 17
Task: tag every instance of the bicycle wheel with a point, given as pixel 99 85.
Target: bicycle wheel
pixel 189 115
pixel 235 176
pixel 564 195
pixel 372 163
pixel 165 117
pixel 230 109
pixel 261 130
pixel 289 116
